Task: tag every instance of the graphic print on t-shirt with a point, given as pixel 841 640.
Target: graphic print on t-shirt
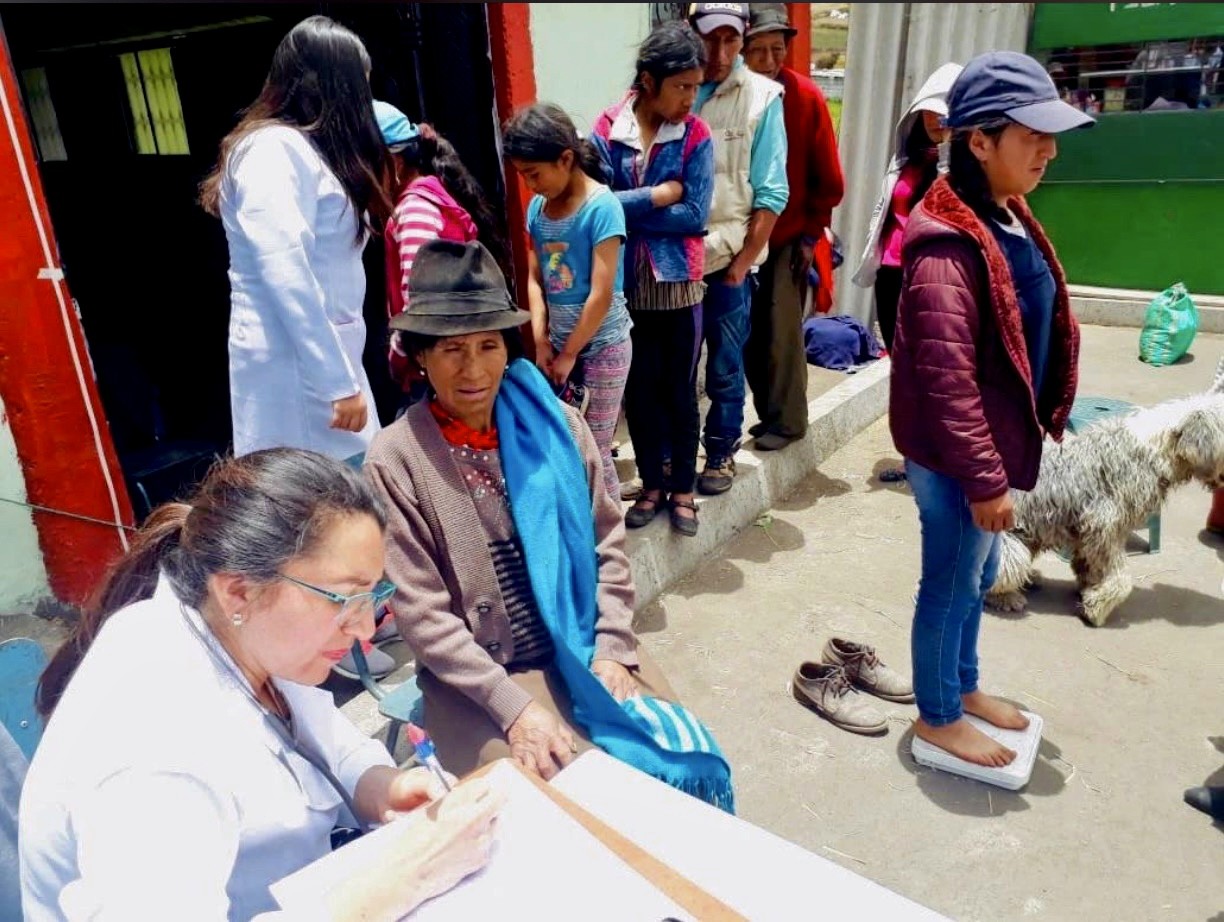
pixel 558 275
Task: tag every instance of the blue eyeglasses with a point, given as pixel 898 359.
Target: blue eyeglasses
pixel 352 607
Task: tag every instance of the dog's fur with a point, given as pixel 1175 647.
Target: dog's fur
pixel 1097 487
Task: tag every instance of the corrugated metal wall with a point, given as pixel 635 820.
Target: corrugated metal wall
pixel 893 47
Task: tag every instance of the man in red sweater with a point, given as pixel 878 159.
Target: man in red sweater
pixel 774 360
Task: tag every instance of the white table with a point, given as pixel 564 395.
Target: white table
pixel 755 872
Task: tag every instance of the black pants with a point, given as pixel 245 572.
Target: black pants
pixel 661 396
pixel 774 360
pixel 887 295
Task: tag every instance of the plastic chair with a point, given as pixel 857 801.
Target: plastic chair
pixel 401 705
pixel 1088 410
pixel 21 663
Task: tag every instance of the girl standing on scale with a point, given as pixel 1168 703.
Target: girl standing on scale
pixel 984 367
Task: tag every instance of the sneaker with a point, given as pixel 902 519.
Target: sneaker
pixel 381 665
pixel 827 690
pixel 864 669
pixel 758 429
pixel 1209 799
pixel 717 476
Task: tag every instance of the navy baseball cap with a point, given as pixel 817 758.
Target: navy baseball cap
pixel 1012 84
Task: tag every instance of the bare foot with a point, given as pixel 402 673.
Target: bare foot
pixel 993 710
pixel 965 741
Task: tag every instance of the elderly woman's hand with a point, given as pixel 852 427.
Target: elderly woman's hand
pixel 540 742
pixel 616 678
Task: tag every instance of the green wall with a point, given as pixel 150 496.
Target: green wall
pixel 1137 201
pixel 1142 235
pixel 1057 25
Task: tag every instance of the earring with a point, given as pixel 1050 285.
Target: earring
pixel 237 619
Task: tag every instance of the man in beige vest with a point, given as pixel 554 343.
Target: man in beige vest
pixel 744 112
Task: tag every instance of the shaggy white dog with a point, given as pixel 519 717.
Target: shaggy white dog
pixel 1097 487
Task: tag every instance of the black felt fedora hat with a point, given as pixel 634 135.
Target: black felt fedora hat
pixel 457 288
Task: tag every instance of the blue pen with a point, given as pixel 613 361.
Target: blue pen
pixel 425 752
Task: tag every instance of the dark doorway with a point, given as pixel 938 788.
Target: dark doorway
pixel 121 157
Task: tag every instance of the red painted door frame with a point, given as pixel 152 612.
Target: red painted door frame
pixel 514 86
pixel 799 54
pixel 46 380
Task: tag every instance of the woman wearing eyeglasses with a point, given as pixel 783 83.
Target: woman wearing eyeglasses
pixel 189 762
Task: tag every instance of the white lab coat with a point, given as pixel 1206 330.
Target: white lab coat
pixel 297 285
pixel 158 790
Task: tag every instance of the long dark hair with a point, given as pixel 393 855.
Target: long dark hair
pixel 430 154
pixel 671 48
pixel 968 178
pixel 251 515
pixel 542 132
pixel 318 84
pixel 920 149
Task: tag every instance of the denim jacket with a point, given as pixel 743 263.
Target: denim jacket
pixel 672 235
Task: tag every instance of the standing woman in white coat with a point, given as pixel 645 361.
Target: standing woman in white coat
pixel 296 185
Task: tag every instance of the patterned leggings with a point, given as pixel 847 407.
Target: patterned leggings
pixel 604 374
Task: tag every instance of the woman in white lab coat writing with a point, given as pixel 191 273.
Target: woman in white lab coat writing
pixel 189 762
pixel 295 186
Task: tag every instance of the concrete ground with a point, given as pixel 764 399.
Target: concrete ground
pixel 1132 711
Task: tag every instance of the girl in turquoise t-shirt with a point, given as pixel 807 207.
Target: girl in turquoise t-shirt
pixel 575 285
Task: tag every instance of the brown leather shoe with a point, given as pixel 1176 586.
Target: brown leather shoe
pixel 826 690
pixel 866 670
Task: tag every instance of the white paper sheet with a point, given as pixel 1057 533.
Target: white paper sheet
pixel 756 873
pixel 545 867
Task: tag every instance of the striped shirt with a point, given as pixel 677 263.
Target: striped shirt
pixel 481 472
pixel 416 220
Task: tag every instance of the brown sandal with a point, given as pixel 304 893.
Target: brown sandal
pixel 684 524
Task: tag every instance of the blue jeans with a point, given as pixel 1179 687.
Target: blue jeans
pixel 959 564
pixel 725 323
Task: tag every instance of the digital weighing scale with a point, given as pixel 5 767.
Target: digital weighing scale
pixel 1012 777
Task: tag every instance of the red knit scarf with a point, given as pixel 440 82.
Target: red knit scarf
pixel 458 433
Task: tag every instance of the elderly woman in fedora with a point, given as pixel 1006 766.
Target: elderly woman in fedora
pixel 514 589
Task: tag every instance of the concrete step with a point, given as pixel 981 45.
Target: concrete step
pixel 1123 307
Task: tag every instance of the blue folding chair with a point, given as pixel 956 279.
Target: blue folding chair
pixel 403 704
pixel 21 663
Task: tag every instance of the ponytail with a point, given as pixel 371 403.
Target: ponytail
pixel 590 161
pixel 542 132
pixel 132 578
pixel 250 516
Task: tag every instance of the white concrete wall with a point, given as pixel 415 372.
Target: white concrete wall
pixel 584 54
pixel 23 578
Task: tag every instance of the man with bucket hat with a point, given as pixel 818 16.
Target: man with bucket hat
pixel 744 112
pixel 774 359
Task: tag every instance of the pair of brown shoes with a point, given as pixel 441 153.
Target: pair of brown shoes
pixel 830 687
